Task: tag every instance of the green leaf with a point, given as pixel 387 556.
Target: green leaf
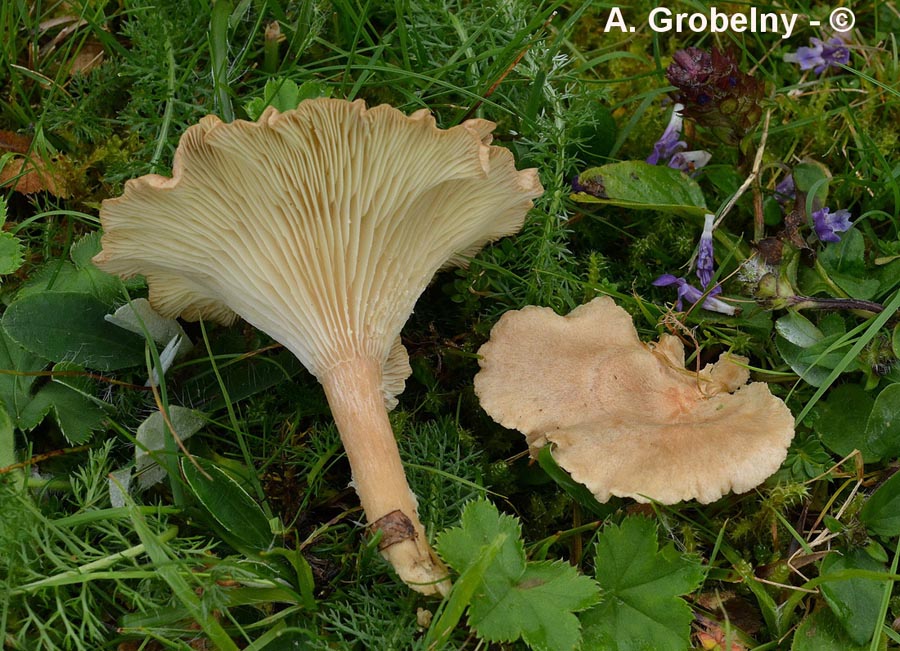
pixel 151 440
pixel 72 401
pixel 856 602
pixel 69 327
pixel 592 141
pixel 83 251
pixel 812 176
pixel 245 525
pixel 638 185
pixel 79 276
pixel 481 524
pixel 12 254
pixel 516 599
pixel 77 416
pixel 822 632
pixel 8 449
pixel 63 276
pixel 641 609
pixel 537 607
pixel 845 264
pixel 241 379
pixel 284 95
pixel 798 330
pixel 840 421
pixel 15 389
pixel 7 440
pixel 883 425
pixel 810 352
pixel 881 512
pixel 851 419
pixel 578 492
pixel 139 317
pixel 464 588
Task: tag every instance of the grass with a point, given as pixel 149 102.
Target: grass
pixel 101 93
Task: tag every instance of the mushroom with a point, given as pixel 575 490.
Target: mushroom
pixel 321 226
pixel 626 418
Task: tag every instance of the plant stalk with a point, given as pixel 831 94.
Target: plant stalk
pixel 354 393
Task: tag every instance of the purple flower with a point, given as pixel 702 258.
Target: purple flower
pixel 669 144
pixel 786 190
pixel 820 55
pixel 715 92
pixel 693 295
pixel 690 161
pixel 828 224
pixel 705 260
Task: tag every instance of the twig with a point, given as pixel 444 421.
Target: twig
pixel 92 376
pixel 175 436
pixel 754 173
pixel 43 457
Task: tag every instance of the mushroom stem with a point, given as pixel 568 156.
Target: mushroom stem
pixel 354 394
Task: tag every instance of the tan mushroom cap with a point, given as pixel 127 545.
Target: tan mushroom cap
pixel 320 226
pixel 626 418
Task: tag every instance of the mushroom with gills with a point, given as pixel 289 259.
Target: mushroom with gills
pixel 321 226
pixel 626 418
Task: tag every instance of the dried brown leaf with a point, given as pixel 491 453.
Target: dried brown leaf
pixel 30 175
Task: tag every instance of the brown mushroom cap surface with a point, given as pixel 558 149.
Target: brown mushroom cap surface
pixel 321 226
pixel 626 418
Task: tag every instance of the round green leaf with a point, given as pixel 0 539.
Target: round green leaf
pixel 855 602
pixel 69 327
pixel 840 421
pixel 812 176
pixel 883 427
pixel 821 631
pixel 881 513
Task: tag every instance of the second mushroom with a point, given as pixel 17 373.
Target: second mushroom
pixel 626 418
pixel 321 226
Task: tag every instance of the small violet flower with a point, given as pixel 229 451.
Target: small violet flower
pixel 821 55
pixel 669 149
pixel 669 144
pixel 693 295
pixel 705 260
pixel 690 161
pixel 786 191
pixel 828 224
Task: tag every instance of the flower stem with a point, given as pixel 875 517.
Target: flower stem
pixel 811 303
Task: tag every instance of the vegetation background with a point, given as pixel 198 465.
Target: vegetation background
pixel 271 555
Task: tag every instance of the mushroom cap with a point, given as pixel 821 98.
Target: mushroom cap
pixel 626 418
pixel 320 226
